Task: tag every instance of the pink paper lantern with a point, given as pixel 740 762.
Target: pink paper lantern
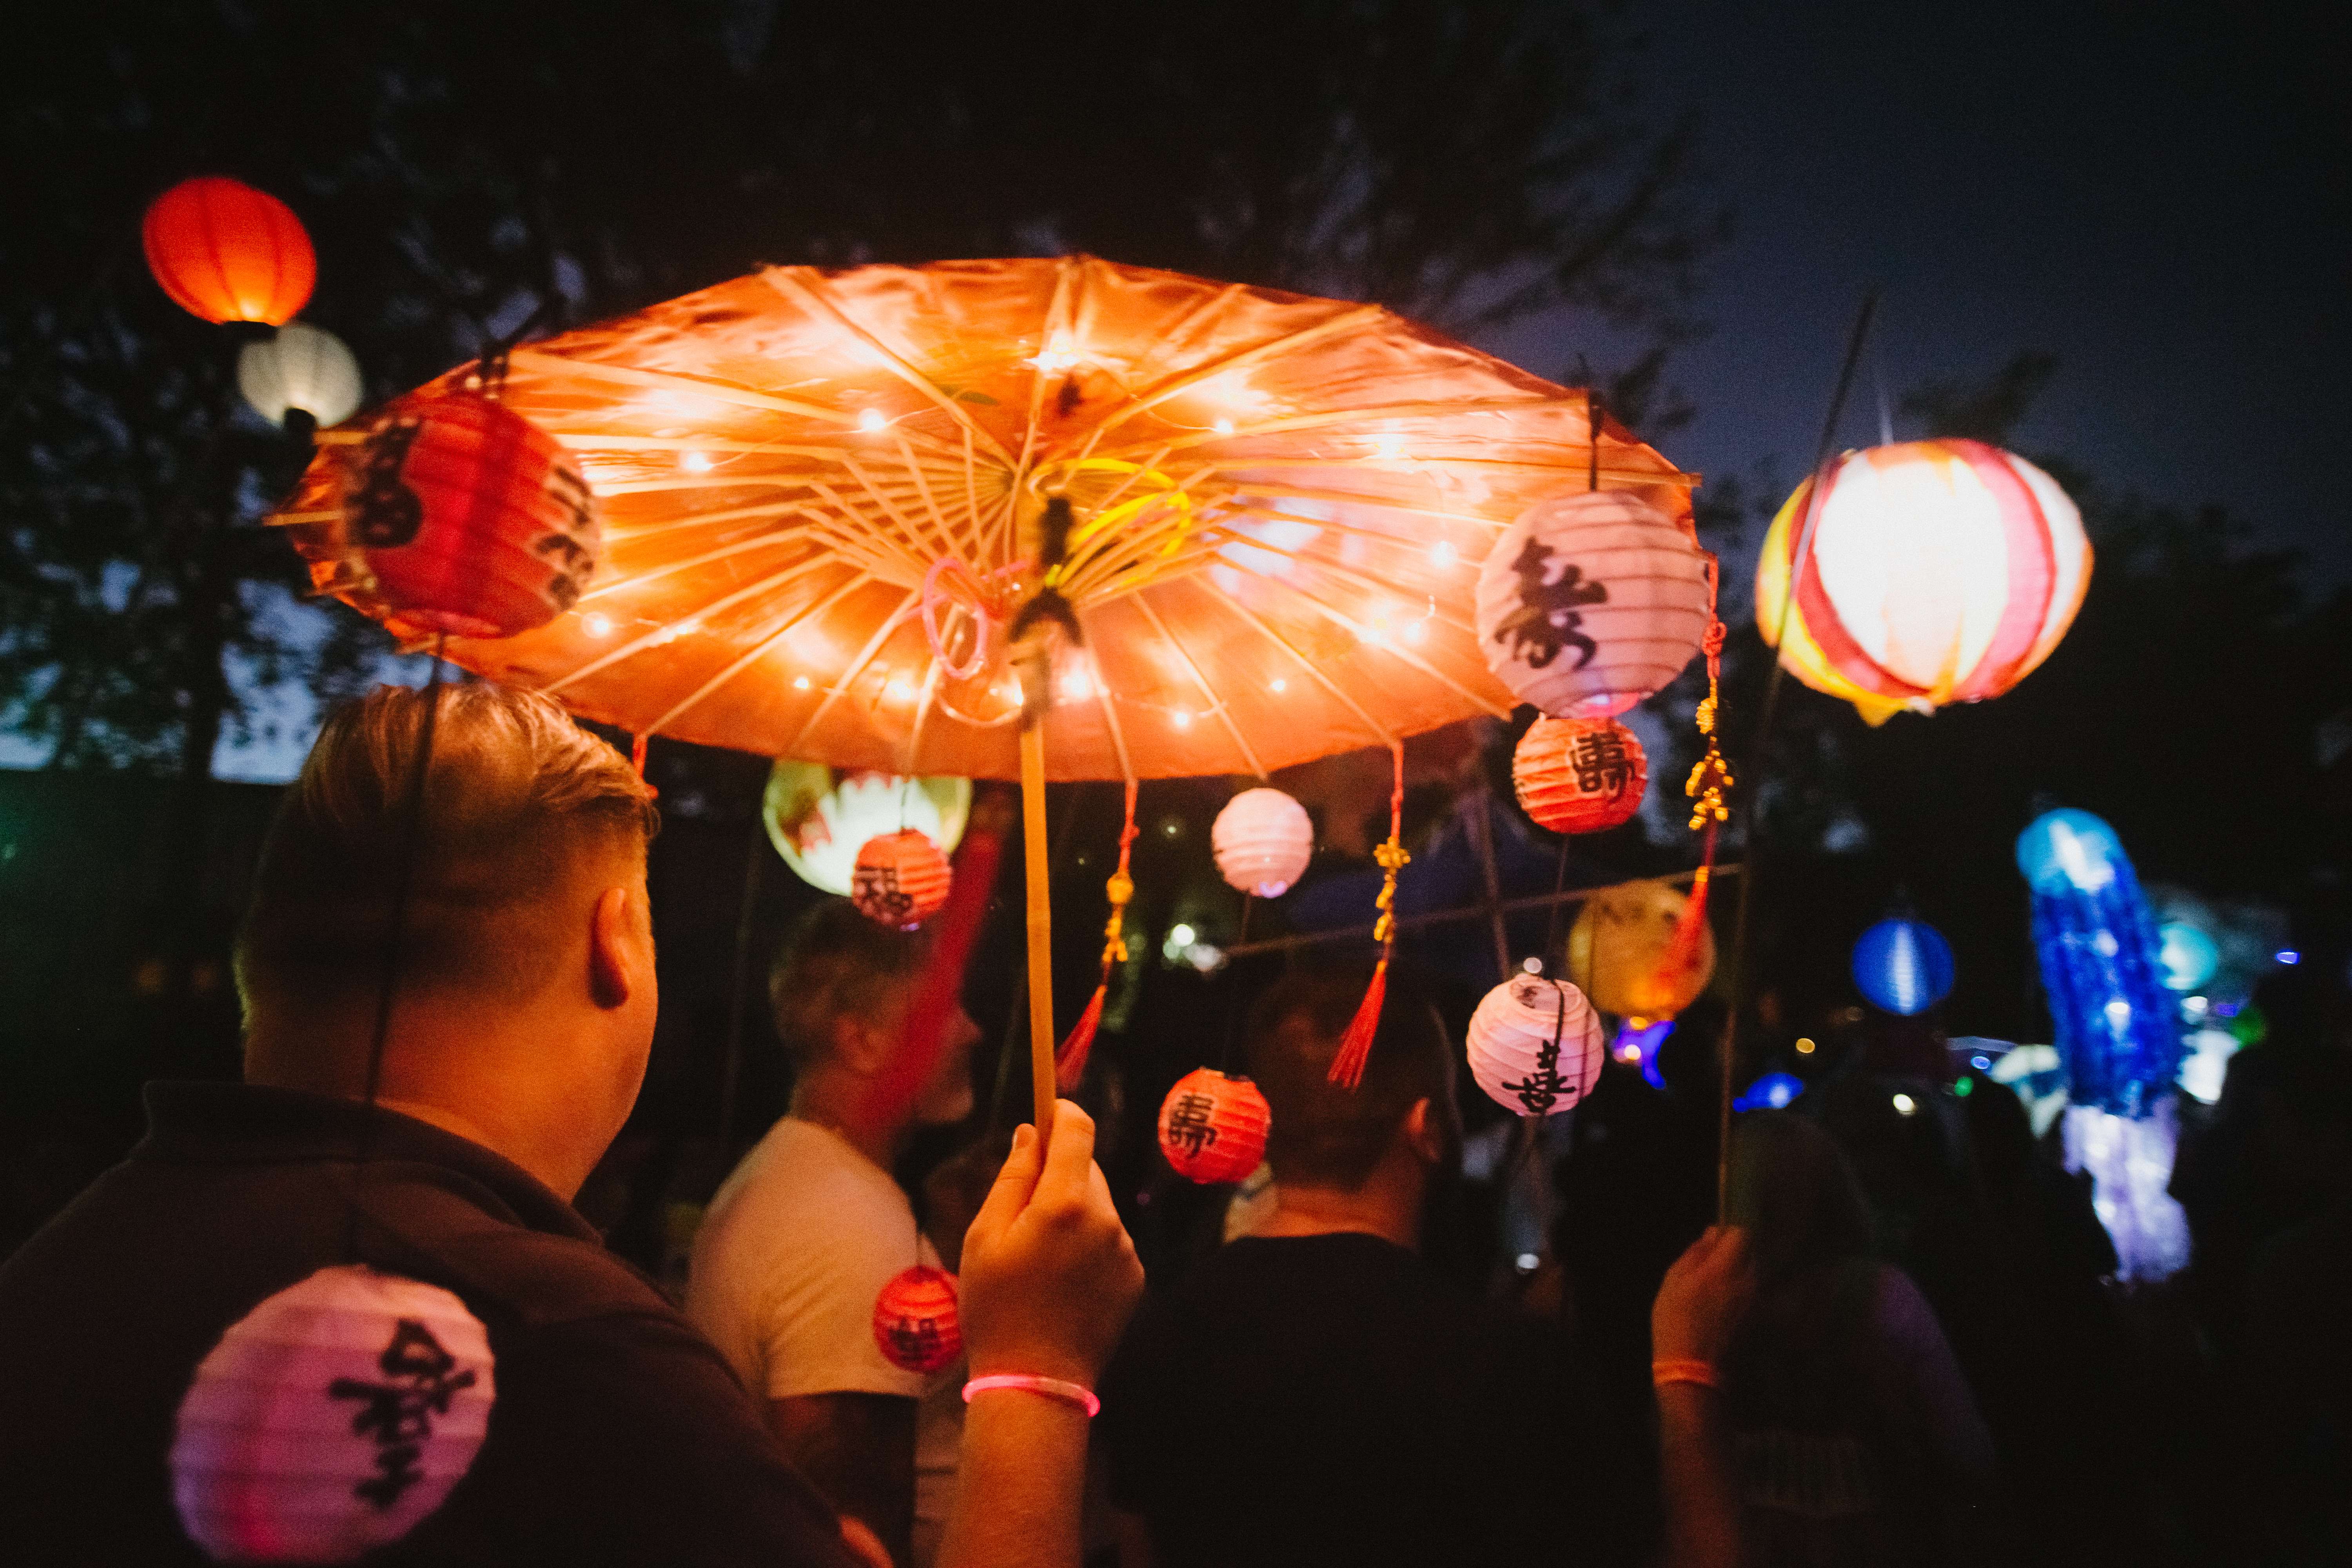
pixel 1590 601
pixel 1535 1045
pixel 900 880
pixel 1262 840
pixel 915 1321
pixel 1212 1127
pixel 330 1419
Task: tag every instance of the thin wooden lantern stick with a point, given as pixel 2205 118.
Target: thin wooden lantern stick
pixel 1763 736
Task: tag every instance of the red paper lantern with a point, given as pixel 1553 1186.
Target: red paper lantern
pixel 227 252
pixel 1212 1127
pixel 464 517
pixel 915 1320
pixel 900 880
pixel 1580 775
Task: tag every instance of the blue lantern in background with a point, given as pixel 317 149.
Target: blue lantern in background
pixel 1773 1091
pixel 1903 966
pixel 2117 1023
pixel 2188 955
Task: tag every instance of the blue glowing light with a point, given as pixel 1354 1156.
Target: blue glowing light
pixel 1639 1045
pixel 2288 956
pixel 2117 1024
pixel 2188 955
pixel 2068 848
pixel 1773 1091
pixel 1903 966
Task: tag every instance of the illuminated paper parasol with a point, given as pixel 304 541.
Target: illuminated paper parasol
pixel 826 500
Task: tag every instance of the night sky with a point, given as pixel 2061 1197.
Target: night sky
pixel 2156 196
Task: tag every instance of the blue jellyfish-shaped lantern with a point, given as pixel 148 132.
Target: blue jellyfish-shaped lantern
pixel 2119 1031
pixel 2116 1021
pixel 1903 966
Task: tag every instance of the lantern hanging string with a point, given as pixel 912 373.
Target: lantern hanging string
pixel 1762 736
pixel 1070 1060
pixel 1356 1045
pixel 403 868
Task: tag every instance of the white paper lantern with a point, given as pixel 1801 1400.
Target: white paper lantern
pixel 330 1419
pixel 1590 601
pixel 819 817
pixel 302 367
pixel 1262 840
pixel 1535 1045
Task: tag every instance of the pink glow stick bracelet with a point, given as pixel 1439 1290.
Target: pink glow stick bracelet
pixel 1051 1387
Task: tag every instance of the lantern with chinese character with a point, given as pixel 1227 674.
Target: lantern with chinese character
pixel 1940 571
pixel 1580 775
pixel 1262 840
pixel 1535 1045
pixel 900 879
pixel 226 252
pixel 330 1419
pixel 459 516
pixel 1622 950
pixel 1903 966
pixel 304 374
pixel 1590 601
pixel 1212 1127
pixel 915 1321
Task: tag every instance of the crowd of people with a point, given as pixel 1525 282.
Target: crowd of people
pixel 1903 1347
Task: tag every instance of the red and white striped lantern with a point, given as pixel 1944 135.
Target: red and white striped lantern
pixel 900 880
pixel 915 1321
pixel 1580 775
pixel 1940 571
pixel 463 516
pixel 1590 601
pixel 1212 1127
pixel 1535 1045
pixel 330 1419
pixel 1262 840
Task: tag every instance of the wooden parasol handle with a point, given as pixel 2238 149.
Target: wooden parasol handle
pixel 1041 925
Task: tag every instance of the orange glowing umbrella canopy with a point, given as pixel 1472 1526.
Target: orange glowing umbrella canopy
pixel 823 493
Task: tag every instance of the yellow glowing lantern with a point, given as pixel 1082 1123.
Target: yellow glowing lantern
pixel 1623 952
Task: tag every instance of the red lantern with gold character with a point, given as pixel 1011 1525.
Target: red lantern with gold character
pixel 226 252
pixel 1212 1127
pixel 1580 775
pixel 462 517
pixel 900 880
pixel 915 1321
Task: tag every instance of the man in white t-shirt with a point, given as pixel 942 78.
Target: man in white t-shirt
pixel 806 1233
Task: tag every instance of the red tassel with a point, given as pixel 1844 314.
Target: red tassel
pixel 1682 950
pixel 1070 1061
pixel 1356 1045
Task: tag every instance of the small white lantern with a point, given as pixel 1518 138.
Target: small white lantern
pixel 1590 601
pixel 303 367
pixel 330 1419
pixel 1262 840
pixel 1535 1045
